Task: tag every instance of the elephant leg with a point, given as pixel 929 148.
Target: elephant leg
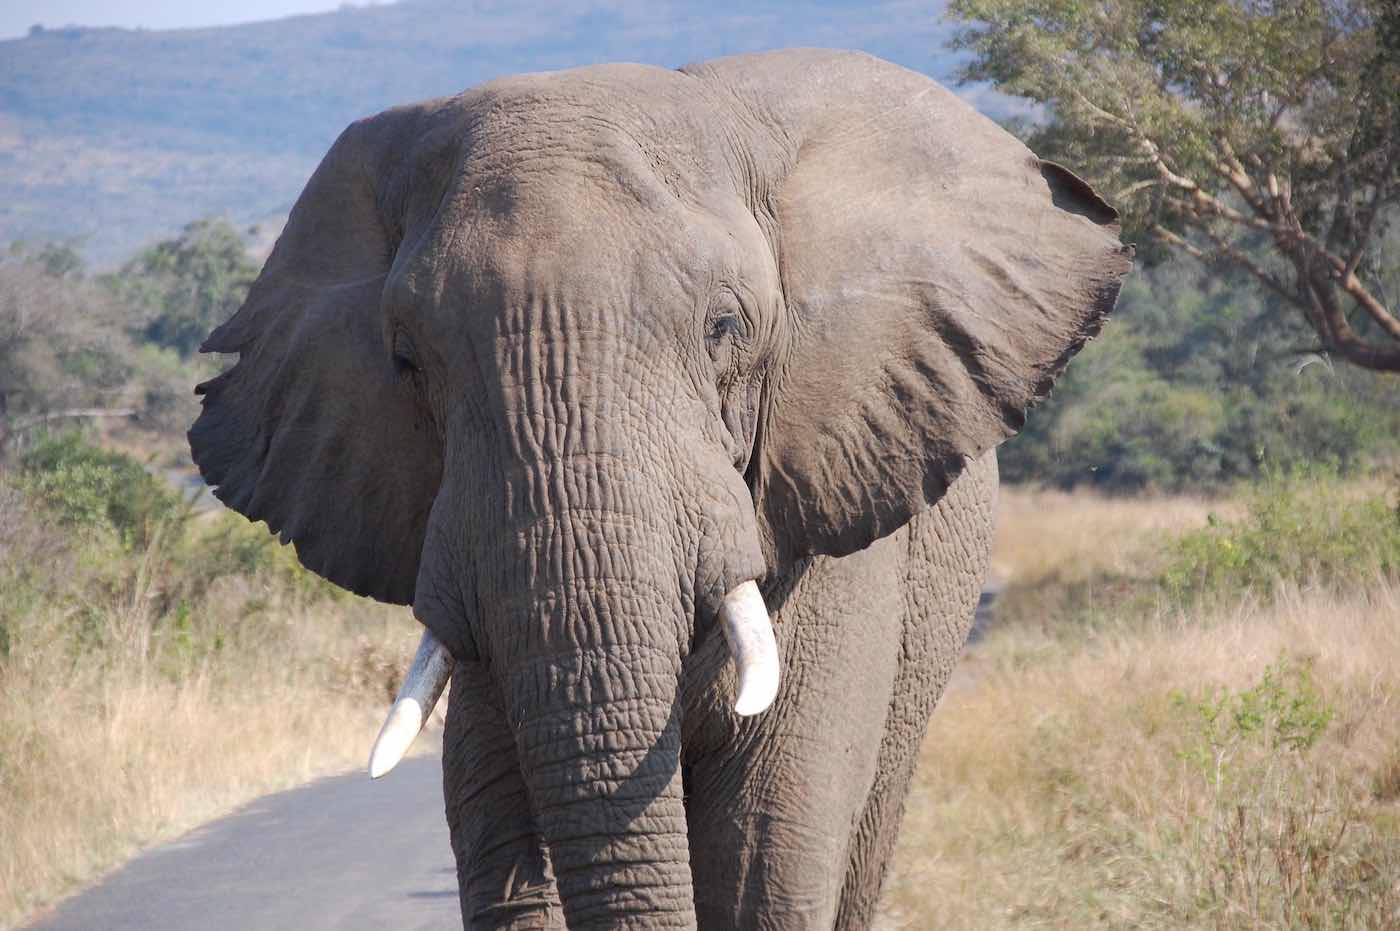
pixel 944 583
pixel 503 870
pixel 772 801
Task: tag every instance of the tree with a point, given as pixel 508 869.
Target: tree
pixel 1258 134
pixel 63 347
pixel 189 284
pixel 1193 386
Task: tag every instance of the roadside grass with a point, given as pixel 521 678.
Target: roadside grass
pixel 1185 715
pixel 158 668
pixel 1211 741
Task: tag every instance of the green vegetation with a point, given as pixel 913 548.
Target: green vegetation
pixel 1263 137
pixel 1282 711
pixel 191 283
pixel 1304 528
pixel 159 666
pixel 75 347
pixel 63 342
pixel 1307 528
pixel 84 487
pixel 1196 383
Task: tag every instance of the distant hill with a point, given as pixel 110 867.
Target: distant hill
pixel 114 137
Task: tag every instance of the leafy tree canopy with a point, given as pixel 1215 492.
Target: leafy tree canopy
pixel 63 344
pixel 1258 134
pixel 189 284
pixel 1194 385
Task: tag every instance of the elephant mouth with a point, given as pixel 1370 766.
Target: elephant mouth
pixel 743 616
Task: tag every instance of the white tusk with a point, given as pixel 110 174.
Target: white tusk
pixel 422 687
pixel 749 633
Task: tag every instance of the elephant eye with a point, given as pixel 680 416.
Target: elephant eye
pixel 405 364
pixel 724 327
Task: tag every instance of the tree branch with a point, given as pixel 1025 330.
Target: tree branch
pixel 1233 254
pixel 27 423
pixel 1344 339
pixel 1344 276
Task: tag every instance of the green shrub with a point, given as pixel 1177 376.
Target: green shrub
pixel 1283 839
pixel 1303 526
pixel 1284 711
pixel 189 284
pixel 232 546
pixel 83 486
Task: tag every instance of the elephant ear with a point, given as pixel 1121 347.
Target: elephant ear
pixel 940 277
pixel 312 431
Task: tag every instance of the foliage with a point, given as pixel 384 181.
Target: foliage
pixel 1119 563
pixel 190 284
pixel 78 347
pixel 1302 527
pixel 1283 711
pixel 1194 384
pixel 1262 135
pixel 62 339
pixel 229 545
pixel 1277 823
pixel 83 486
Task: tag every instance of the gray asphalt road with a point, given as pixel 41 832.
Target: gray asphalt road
pixel 341 853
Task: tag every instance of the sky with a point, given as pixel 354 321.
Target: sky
pixel 16 16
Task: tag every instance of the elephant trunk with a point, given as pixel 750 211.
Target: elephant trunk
pixel 593 612
pixel 598 735
pixel 588 612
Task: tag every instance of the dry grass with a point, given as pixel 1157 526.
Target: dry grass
pixel 1141 775
pixel 1057 537
pixel 1082 554
pixel 126 719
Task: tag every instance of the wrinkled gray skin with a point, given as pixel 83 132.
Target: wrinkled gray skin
pixel 561 360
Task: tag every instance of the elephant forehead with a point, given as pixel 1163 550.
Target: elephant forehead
pixel 566 243
pixel 589 188
pixel 578 142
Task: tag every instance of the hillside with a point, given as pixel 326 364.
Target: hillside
pixel 115 137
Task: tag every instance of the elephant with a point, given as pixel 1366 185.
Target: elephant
pixel 669 400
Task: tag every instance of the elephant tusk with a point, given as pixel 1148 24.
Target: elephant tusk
pixel 422 687
pixel 749 632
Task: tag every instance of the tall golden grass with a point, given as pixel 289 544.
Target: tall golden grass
pixel 1049 536
pixel 1141 774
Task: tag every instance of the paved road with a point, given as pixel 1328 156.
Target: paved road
pixel 341 853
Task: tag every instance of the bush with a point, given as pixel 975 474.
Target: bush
pixel 1282 712
pixel 230 545
pixel 1304 526
pixel 87 487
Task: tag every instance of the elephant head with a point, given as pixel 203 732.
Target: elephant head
pixel 570 361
